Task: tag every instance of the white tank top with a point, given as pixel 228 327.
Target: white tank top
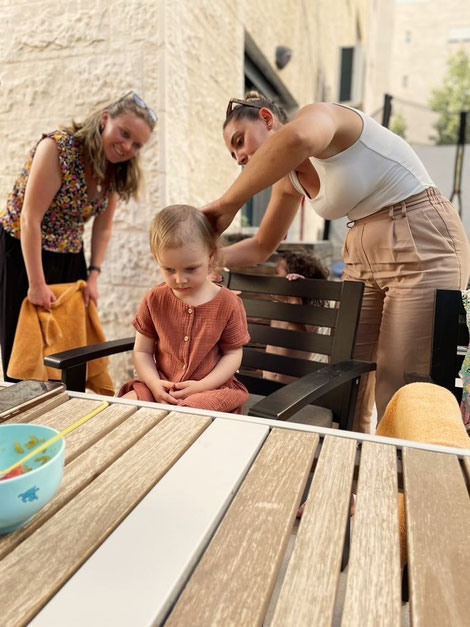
pixel 378 170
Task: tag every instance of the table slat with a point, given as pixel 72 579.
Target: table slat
pixel 39 410
pixel 83 469
pixel 134 576
pixel 373 594
pixel 437 516
pixel 35 570
pixel 233 582
pixel 308 592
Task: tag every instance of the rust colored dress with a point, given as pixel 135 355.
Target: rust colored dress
pixel 189 342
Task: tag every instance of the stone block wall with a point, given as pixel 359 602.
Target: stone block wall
pixel 59 60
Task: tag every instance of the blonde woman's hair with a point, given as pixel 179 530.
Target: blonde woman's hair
pixel 125 177
pixel 177 225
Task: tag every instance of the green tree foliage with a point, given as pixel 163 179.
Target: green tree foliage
pixel 452 98
pixel 398 124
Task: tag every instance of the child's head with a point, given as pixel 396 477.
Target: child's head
pixel 184 245
pixel 301 262
pixel 177 225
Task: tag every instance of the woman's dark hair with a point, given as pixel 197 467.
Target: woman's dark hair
pixel 257 102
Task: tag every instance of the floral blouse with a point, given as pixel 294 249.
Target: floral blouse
pixel 63 223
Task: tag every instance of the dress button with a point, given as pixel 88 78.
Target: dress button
pixel 186 338
pixel 190 311
pixel 184 366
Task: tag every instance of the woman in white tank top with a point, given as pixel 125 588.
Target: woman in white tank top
pixel 406 240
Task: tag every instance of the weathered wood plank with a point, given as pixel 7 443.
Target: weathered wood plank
pixel 39 410
pixel 308 592
pixel 373 594
pixel 128 582
pixel 86 467
pixel 89 432
pixel 233 582
pixel 437 517
pixel 35 570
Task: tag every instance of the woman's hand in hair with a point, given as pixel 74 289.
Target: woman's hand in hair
pixel 219 217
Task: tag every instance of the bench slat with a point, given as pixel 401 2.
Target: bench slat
pixel 33 572
pixel 438 511
pixel 133 577
pixel 308 592
pixel 234 580
pixel 82 470
pixel 373 594
pixel 39 410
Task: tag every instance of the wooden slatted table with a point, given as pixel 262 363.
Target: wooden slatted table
pixel 182 518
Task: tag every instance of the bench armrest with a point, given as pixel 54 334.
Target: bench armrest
pixel 73 362
pixel 289 399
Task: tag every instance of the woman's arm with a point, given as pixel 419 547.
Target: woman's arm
pixel 44 182
pixel 308 135
pixel 279 215
pixel 146 368
pixel 101 232
pixel 227 366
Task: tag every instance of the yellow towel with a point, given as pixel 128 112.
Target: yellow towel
pixel 68 325
pixel 423 412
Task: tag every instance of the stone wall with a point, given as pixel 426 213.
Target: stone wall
pixel 185 58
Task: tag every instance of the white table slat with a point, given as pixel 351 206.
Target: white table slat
pixel 134 575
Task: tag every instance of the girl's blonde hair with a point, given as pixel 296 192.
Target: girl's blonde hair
pixel 125 177
pixel 176 225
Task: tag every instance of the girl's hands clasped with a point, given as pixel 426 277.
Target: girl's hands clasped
pixel 183 389
pixel 160 391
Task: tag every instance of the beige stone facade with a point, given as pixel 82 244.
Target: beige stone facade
pixel 186 59
pixel 426 32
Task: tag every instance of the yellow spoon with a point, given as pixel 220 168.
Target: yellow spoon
pixel 56 437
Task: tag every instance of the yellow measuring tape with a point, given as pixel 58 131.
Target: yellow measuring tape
pixel 56 437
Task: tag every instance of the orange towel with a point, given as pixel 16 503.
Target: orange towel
pixel 423 412
pixel 68 325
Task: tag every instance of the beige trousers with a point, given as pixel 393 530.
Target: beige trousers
pixel 402 254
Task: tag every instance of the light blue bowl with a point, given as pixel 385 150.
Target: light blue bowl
pixel 22 496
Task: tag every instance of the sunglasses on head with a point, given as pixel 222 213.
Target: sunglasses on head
pixel 140 103
pixel 236 101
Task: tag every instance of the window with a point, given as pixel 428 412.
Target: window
pixel 351 74
pixel 407 36
pixel 260 76
pixel 404 81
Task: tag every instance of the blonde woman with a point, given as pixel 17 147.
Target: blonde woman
pixel 72 175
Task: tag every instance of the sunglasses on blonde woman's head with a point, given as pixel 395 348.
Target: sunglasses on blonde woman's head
pixel 140 103
pixel 245 103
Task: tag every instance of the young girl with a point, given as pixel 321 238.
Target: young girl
pixel 189 331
